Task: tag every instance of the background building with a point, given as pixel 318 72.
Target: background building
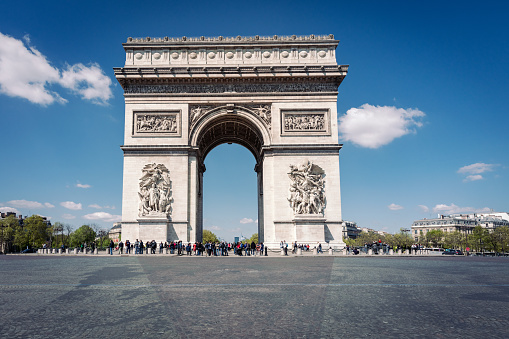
pixel 464 223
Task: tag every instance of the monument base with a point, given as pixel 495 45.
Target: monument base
pixel 308 229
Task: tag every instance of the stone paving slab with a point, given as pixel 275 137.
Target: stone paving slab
pixel 299 297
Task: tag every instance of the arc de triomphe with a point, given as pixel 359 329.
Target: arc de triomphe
pixel 276 96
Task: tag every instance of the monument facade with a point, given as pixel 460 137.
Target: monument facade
pixel 276 96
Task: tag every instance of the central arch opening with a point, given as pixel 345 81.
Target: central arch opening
pixel 230 204
pixel 231 197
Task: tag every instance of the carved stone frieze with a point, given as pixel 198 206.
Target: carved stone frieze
pixel 155 196
pixel 158 123
pixel 304 122
pixel 307 189
pixel 230 88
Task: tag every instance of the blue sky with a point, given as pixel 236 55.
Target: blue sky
pixel 423 109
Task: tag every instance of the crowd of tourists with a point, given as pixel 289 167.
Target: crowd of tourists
pixel 197 248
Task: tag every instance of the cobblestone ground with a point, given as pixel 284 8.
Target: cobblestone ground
pixel 275 297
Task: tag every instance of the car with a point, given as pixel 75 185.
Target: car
pixel 29 250
pixel 452 252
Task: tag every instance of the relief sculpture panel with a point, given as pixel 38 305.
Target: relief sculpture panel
pixel 155 196
pixel 156 123
pixel 307 189
pixel 305 122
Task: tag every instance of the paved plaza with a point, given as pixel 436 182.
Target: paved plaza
pixel 275 297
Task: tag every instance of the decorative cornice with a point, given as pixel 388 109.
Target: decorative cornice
pixel 221 39
pixel 229 70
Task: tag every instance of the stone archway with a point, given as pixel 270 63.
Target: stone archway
pixel 276 96
pixel 232 123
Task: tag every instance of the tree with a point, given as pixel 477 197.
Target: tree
pixel 478 238
pixel 501 238
pixel 453 239
pixel 254 238
pixel 8 228
pixel 434 237
pixel 84 234
pixel 208 236
pixel 35 232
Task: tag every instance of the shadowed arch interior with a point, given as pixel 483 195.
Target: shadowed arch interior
pixel 230 128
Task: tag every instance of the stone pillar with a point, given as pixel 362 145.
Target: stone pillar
pixel 315 251
pixel 370 251
pixel 282 251
pixel 391 252
pixel 59 251
pixel 331 251
pixel 75 251
pixel 299 251
pixel 344 251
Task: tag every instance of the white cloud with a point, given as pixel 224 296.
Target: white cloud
pixel 5 209
pixel 453 209
pixel 104 216
pixel 395 207
pixel 474 171
pixel 25 204
pixel 48 205
pixel 68 216
pixel 26 73
pixel 424 208
pixel 375 126
pixel 89 82
pixel 246 221
pixel 71 205
pixel 214 228
pixel 96 206
pixel 477 168
pixel 83 186
pixel 474 177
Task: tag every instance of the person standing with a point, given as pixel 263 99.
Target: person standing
pixel 111 247
pixel 120 247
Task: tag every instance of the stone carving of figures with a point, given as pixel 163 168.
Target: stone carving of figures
pixel 144 201
pixel 155 191
pixel 195 114
pixel 301 122
pixel 263 111
pixel 148 123
pixel 154 198
pixel 307 189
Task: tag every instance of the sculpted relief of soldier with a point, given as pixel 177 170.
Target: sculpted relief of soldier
pixel 155 191
pixel 307 193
